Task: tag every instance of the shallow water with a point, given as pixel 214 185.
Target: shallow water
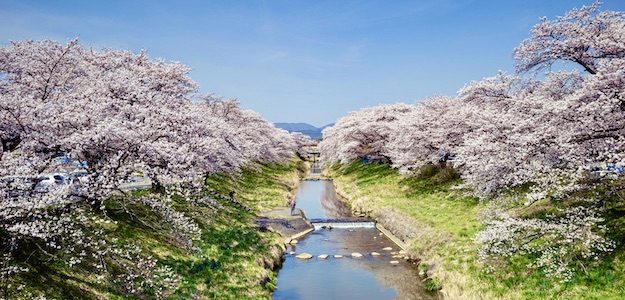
pixel 367 277
pixel 318 200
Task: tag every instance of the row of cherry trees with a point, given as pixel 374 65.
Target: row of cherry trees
pixel 121 114
pixel 548 132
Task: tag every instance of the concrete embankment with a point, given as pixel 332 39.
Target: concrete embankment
pixel 280 220
pixel 399 228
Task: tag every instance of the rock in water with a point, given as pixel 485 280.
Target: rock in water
pixel 356 255
pixel 394 262
pixel 304 256
pixel 322 256
pixel 387 249
pixel 338 256
pixel 375 254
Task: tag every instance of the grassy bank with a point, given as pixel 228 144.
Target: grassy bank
pixel 232 260
pixel 446 219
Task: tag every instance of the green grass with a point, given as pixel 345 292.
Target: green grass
pixel 433 199
pixel 259 187
pixel 434 204
pixel 230 262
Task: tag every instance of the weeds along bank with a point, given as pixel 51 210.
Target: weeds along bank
pixel 439 219
pixel 229 260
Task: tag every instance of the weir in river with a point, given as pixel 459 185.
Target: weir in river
pixel 358 263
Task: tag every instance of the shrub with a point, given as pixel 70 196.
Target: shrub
pixel 554 244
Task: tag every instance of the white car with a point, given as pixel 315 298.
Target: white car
pixel 50 180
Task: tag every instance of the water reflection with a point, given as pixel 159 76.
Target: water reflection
pixel 318 200
pixel 368 277
pixel 332 205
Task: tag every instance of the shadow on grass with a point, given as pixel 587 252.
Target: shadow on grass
pixel 57 280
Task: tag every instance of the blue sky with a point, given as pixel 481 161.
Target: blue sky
pixel 303 61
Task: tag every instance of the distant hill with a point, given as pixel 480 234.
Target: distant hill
pixel 305 128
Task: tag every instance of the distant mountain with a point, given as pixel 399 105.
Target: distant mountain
pixel 295 126
pixel 305 128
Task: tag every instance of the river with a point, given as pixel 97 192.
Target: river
pixel 366 277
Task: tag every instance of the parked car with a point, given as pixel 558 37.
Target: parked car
pixel 50 180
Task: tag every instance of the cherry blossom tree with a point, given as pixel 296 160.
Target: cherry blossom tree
pixel 302 140
pixel 496 154
pixel 555 131
pixel 584 36
pixel 362 133
pixel 552 134
pixel 428 134
pixel 249 134
pixel 118 113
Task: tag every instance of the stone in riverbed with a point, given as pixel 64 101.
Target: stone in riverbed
pixel 292 253
pixel 394 253
pixel 397 256
pixel 322 256
pixel 402 252
pixel 387 249
pixel 394 262
pixel 375 254
pixel 304 256
pixel 356 255
pixel 338 256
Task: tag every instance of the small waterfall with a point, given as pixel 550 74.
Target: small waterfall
pixel 322 225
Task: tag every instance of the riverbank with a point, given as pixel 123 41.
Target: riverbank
pixel 231 260
pixel 435 222
pixel 438 221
